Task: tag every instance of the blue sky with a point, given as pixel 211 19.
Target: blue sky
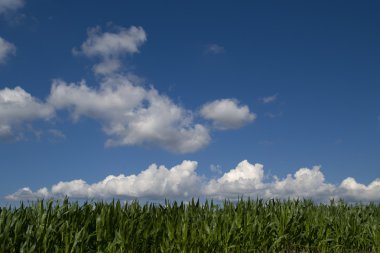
pixel 285 85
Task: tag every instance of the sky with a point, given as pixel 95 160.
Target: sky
pixel 216 99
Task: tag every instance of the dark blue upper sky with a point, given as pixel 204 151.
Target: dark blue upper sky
pixel 321 59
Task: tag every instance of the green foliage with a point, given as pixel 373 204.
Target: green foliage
pixel 245 226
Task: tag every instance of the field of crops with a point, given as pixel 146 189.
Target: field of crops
pixel 245 226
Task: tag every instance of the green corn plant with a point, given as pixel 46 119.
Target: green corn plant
pixel 242 226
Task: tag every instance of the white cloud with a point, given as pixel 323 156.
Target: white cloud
pixel 107 66
pixel 306 183
pixel 227 114
pixel 183 182
pixel 180 181
pixel 245 179
pixel 269 99
pixel 215 49
pixel 18 107
pixel 131 114
pixel 244 171
pixel 27 194
pixel 10 5
pixel 354 191
pixel 111 46
pixel 6 49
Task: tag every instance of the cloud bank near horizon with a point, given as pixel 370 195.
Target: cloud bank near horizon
pixel 183 182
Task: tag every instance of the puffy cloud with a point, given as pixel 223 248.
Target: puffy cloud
pixel 245 179
pixel 180 181
pixel 351 190
pixel 215 49
pixel 244 171
pixel 10 5
pixel 111 100
pixel 183 182
pixel 17 107
pixel 131 114
pixel 111 46
pixel 27 194
pixel 6 48
pixel 269 99
pixel 306 183
pixel 227 114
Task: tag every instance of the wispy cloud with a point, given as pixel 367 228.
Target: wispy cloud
pixel 182 181
pixel 214 49
pixel 216 168
pixel 111 46
pixel 10 5
pixel 272 115
pixel 56 134
pixel 269 99
pixel 6 49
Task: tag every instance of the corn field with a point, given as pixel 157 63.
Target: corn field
pixel 243 226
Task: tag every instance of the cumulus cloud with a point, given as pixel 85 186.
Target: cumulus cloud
pixel 214 49
pixel 131 114
pixel 10 5
pixel 18 107
pixel 305 183
pixel 183 182
pixel 6 49
pixel 245 179
pixel 227 114
pixel 269 99
pixel 27 194
pixel 110 47
pixel 352 190
pixel 180 181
